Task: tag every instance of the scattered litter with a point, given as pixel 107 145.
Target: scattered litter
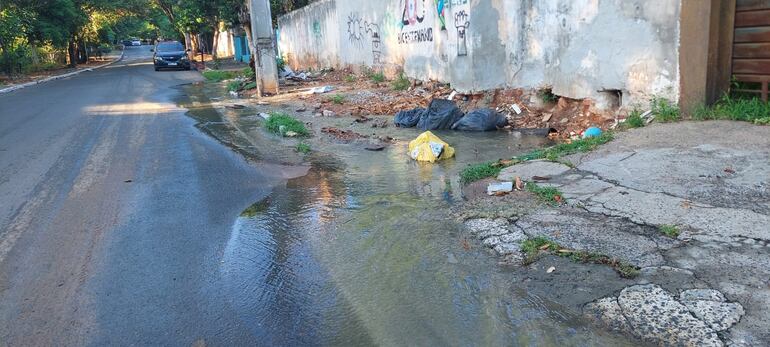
pixel 648 116
pixel 328 113
pixel 234 93
pixel 441 114
pixel 516 108
pixel 263 103
pixel 480 120
pixel 264 116
pixel 408 119
pixel 592 132
pixel 290 134
pixel 452 95
pixel 498 188
pixel 429 147
pixel 540 178
pixel 320 90
pixel 550 269
pixel 342 135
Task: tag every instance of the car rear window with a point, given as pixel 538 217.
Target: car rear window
pixel 170 47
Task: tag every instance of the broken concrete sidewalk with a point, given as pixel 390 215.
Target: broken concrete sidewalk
pixel 708 286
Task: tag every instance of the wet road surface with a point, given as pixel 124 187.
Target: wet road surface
pixel 114 212
pixel 123 224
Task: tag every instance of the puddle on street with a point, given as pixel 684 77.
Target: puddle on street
pixel 364 250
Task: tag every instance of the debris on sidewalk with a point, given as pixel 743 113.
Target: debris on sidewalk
pixel 320 90
pixel 499 188
pixel 430 148
pixel 441 114
pixel 480 120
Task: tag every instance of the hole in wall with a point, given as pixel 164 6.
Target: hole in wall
pixel 610 99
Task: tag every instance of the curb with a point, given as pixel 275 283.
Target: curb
pixel 53 78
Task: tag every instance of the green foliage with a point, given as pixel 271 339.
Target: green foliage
pixel 338 99
pixel 377 77
pixel 303 148
pixel 234 85
pixel 219 75
pixel 280 62
pixel 634 119
pixel 740 109
pixel 401 83
pixel 479 171
pixel 547 95
pixel 669 230
pixel 350 78
pixel 248 73
pixel 664 110
pixel 532 248
pixel 548 195
pixel 281 123
pixel 250 86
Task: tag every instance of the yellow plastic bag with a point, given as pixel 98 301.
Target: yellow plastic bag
pixel 429 147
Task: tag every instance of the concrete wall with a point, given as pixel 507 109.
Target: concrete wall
pixel 579 48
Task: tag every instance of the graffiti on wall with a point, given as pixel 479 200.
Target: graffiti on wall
pixel 316 29
pixel 414 36
pixel 412 10
pixel 440 10
pixel 461 24
pixel 359 29
pixel 457 2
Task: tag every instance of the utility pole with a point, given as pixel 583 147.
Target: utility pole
pixel 264 52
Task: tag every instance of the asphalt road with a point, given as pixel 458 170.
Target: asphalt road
pixel 115 211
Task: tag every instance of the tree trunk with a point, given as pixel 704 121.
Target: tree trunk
pixel 215 44
pixel 72 52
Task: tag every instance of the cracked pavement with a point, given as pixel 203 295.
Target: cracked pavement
pixel 709 179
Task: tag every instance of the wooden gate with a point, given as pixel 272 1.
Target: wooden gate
pixel 751 46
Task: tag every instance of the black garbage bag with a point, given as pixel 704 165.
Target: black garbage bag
pixel 441 114
pixel 485 119
pixel 408 119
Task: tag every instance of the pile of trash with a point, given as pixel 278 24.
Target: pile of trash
pixel 430 148
pixel 444 114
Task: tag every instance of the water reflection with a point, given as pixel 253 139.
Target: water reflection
pixel 363 251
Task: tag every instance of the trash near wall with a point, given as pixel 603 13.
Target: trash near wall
pixel 612 51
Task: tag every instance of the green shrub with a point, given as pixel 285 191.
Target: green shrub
pixel 219 75
pixel 303 148
pixel 547 95
pixel 401 83
pixel 234 85
pixel 250 85
pixel 247 73
pixel 338 99
pixel 634 119
pixel 281 123
pixel 377 77
pixel 280 62
pixel 664 110
pixel 732 108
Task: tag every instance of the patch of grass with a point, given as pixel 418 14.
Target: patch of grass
pixel 281 123
pixel 303 148
pixel 338 99
pixel 664 110
pixel 250 85
pixel 401 83
pixel 479 171
pixel 548 195
pixel 247 73
pixel 377 77
pixel 669 230
pixel 634 119
pixel 547 95
pixel 532 248
pixel 219 75
pixel 350 78
pixel 233 86
pixel 740 109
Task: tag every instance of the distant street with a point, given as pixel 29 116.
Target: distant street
pixel 114 212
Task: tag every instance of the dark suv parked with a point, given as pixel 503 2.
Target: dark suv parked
pixel 170 54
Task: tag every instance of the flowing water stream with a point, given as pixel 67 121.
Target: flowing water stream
pixel 364 250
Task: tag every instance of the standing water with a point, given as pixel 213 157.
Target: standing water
pixel 364 250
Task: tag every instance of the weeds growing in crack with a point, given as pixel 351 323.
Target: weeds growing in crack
pixel 281 124
pixel 549 195
pixel 669 230
pixel 480 171
pixel 534 247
